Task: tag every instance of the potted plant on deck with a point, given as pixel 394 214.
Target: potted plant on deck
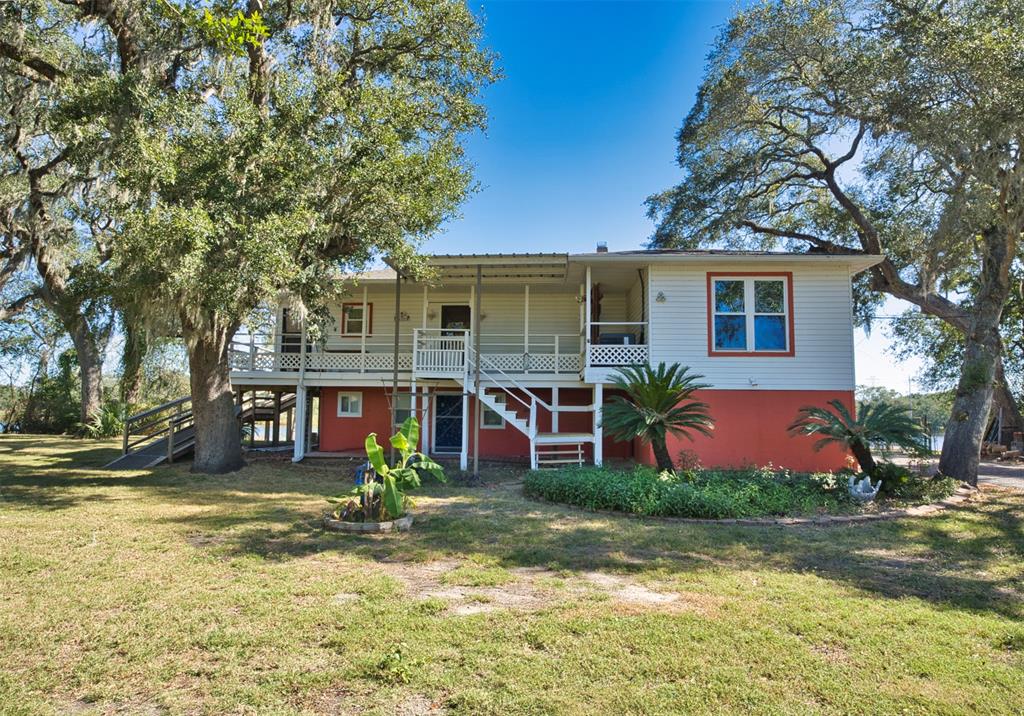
pixel 380 503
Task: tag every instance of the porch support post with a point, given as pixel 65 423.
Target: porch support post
pixel 598 429
pixel 276 419
pixel 300 423
pixel 587 315
pixel 414 402
pixel 394 354
pixel 423 319
pixel 526 328
pixel 464 453
pixel 425 421
pixel 362 333
pixel 554 413
pixel 476 372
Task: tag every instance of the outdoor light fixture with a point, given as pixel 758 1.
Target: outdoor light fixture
pixel 661 298
pixel 431 314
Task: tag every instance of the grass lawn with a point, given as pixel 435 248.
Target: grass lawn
pixel 164 592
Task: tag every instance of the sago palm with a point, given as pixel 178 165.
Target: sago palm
pixel 658 402
pixel 875 423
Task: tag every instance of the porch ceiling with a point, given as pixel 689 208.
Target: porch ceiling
pixel 501 268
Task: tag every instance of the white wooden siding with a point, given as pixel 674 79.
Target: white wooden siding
pixel 823 330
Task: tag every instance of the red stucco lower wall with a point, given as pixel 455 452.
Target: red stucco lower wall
pixel 347 434
pixel 750 429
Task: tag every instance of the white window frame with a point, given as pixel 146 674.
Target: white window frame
pixel 350 394
pixel 396 407
pixel 484 425
pixel 749 313
pixel 363 323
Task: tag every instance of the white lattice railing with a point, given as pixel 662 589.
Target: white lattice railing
pixel 601 356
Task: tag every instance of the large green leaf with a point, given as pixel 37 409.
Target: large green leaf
pixel 411 431
pixel 393 497
pixel 425 463
pixel 375 454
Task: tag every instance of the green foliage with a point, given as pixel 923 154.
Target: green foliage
pixel 107 422
pixel 385 498
pixel 710 494
pixel 232 33
pixel 657 402
pixel 901 483
pixel 875 424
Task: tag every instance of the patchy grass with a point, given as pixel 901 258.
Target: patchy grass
pixel 166 592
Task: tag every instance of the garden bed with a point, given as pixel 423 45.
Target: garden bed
pixel 761 493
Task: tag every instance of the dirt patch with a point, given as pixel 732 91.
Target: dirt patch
pixel 532 589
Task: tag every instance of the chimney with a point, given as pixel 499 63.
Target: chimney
pixel 602 247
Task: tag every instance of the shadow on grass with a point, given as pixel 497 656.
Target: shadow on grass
pixel 969 558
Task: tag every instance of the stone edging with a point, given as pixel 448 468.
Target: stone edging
pixel 962 494
pixel 402 524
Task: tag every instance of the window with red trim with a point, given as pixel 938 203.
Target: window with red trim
pixel 750 314
pixel 352 319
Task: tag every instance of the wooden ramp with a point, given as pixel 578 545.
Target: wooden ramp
pixel 155 451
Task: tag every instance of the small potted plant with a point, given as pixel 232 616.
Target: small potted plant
pixel 380 503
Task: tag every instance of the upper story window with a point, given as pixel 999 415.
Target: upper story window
pixel 750 314
pixel 352 319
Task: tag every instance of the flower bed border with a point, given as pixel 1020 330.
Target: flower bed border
pixel 962 494
pixel 402 524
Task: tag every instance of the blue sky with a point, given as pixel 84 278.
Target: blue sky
pixel 582 129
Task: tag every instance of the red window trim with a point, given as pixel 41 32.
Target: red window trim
pixel 790 317
pixel 368 318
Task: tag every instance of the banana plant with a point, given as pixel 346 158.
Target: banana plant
pixel 385 497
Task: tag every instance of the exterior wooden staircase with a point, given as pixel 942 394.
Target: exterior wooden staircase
pixel 518 406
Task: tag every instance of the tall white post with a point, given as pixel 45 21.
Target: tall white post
pixel 598 429
pixel 464 453
pixel 526 326
pixel 586 329
pixel 425 421
pixel 362 334
pixel 300 423
pixel 554 405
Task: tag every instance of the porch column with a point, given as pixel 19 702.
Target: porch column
pixel 425 422
pixel 476 372
pixel 554 413
pixel 300 423
pixel 598 429
pixel 277 419
pixel 464 453
pixel 362 333
pixel 394 354
pixel 588 315
pixel 526 329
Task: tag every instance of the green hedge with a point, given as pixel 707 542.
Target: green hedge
pixel 712 494
pixel 716 494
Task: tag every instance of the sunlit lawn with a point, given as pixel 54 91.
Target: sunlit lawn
pixel 164 592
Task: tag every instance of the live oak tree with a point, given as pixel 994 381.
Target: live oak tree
pixel 871 127
pixel 58 120
pixel 276 149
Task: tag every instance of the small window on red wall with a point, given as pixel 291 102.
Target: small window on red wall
pixel 750 314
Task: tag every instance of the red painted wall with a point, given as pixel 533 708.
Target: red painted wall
pixel 344 434
pixel 750 429
pixel 338 434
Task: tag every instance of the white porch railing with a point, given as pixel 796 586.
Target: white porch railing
pixel 617 343
pixel 439 352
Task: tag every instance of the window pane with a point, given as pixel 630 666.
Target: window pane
pixel 729 296
pixel 770 333
pixel 491 418
pixel 768 297
pixel 731 333
pixel 403 408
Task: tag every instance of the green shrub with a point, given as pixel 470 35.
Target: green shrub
pixel 901 483
pixel 713 494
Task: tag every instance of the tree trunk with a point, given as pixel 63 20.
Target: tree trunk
pixel 218 439
pixel 961 447
pixel 135 346
pixel 661 455
pixel 864 457
pixel 1005 399
pixel 90 365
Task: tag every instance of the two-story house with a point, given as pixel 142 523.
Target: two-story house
pixel 510 355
